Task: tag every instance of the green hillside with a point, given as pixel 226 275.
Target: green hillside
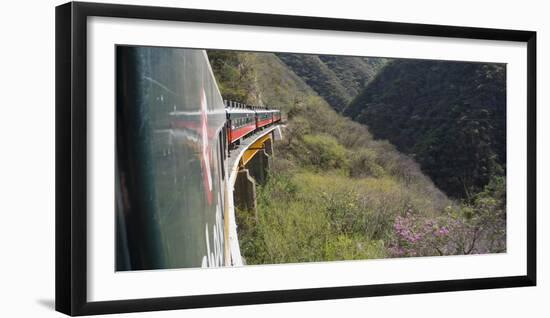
pixel 449 116
pixel 338 79
pixel 336 193
pixel 353 72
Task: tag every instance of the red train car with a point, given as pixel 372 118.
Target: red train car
pixel 243 120
pixel 263 118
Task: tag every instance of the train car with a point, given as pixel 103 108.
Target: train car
pixel 170 175
pixel 276 115
pixel 241 121
pixel 264 118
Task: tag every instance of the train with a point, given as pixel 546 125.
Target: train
pixel 174 134
pixel 244 120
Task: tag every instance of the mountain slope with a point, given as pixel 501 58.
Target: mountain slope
pixel 335 193
pixel 450 116
pixel 338 79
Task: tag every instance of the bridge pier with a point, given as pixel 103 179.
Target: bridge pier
pixel 268 146
pixel 255 172
pixel 244 193
pixel 259 166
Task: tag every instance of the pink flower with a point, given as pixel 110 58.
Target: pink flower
pixel 442 231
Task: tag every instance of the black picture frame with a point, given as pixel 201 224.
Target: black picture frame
pixel 71 157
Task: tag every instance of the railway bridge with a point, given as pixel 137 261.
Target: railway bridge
pixel 247 166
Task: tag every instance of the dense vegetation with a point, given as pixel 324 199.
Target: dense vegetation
pixel 449 116
pixel 338 79
pixel 336 193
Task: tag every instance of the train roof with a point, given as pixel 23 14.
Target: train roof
pixel 235 107
pixel 239 110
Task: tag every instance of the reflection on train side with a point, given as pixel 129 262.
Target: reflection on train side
pixel 169 146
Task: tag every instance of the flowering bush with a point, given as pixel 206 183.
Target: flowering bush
pixel 475 228
pixel 414 236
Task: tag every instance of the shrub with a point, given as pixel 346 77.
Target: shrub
pixel 347 247
pixel 324 152
pixel 363 164
pixel 298 221
pixel 470 228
